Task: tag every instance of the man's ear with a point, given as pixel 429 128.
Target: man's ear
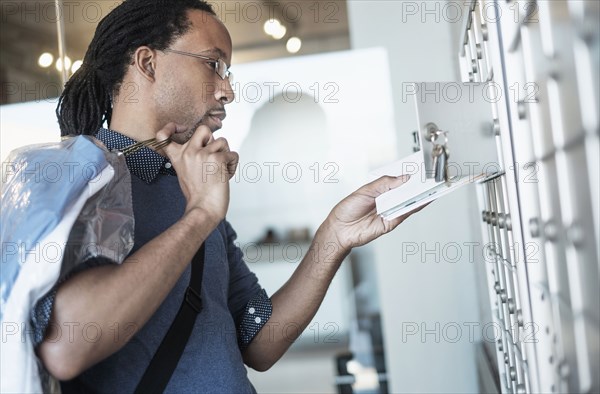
pixel 144 62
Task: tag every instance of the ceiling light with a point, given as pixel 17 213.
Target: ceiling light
pixel 279 32
pixel 46 59
pixel 271 26
pixel 294 44
pixel 76 66
pixel 59 63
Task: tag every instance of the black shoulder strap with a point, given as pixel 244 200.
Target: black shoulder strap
pixel 169 352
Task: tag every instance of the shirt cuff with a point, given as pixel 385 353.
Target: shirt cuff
pixel 258 311
pixel 42 311
pixel 40 317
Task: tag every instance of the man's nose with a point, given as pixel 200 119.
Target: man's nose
pixel 224 91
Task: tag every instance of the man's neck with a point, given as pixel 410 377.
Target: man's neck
pixel 128 120
pixel 133 123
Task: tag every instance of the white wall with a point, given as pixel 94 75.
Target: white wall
pixel 421 290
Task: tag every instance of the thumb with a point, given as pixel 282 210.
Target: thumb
pixel 385 184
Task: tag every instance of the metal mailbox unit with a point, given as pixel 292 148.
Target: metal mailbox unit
pixel 540 216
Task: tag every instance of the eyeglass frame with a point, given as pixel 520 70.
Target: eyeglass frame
pixel 219 63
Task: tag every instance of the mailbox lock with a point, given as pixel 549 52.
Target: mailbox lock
pixel 511 305
pixel 501 220
pixel 534 227
pixel 551 231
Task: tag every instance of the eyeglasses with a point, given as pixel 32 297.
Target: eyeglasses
pixel 220 66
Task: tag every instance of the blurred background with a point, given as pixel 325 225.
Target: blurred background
pixel 321 102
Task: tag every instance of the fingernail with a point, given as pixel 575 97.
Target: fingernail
pixel 404 177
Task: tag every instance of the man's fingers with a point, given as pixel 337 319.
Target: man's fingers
pixel 218 145
pixel 232 162
pixel 385 184
pixel 166 132
pixel 396 221
pixel 202 137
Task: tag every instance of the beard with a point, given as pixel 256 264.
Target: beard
pixel 183 137
pixel 175 103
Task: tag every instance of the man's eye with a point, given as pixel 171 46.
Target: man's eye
pixel 212 65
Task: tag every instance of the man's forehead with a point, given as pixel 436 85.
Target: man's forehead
pixel 218 52
pixel 208 34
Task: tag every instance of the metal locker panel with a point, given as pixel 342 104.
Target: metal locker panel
pixel 507 263
pixel 563 97
pixel 474 55
pixel 535 91
pixel 508 359
pixel 552 230
pixel 588 92
pixel 499 147
pixel 511 15
pixel 547 136
pixel 520 283
pixel 592 148
pixel 580 234
pixel 489 259
pixel 563 101
pixel 479 26
pixel 518 111
pixel 500 109
pixel 544 339
pixel 588 354
pixel 526 374
pixel 485 269
pixel 566 362
pixel 512 363
pixel 521 175
pixel 500 285
pixel 508 225
pixel 463 55
pixel 516 174
pixel 473 77
pixel 520 373
pixel 554 236
pixel 534 255
pixel 586 49
pixel 510 301
pixel 479 48
pixel 463 67
pixel 517 307
pixel 551 13
pixel 554 245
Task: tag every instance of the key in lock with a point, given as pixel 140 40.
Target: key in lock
pixel 439 153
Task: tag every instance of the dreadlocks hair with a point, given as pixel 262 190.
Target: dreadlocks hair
pixel 86 101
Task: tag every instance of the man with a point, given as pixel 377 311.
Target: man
pixel 174 56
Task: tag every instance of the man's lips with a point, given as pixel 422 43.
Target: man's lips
pixel 217 117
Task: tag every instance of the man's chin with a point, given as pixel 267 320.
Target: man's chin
pixel 182 138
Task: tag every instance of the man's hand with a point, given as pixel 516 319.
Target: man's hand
pixel 354 220
pixel 204 167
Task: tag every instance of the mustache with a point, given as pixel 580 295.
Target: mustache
pixel 218 112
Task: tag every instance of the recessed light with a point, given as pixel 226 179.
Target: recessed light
pixel 59 63
pixel 294 44
pixel 271 26
pixel 46 59
pixel 279 33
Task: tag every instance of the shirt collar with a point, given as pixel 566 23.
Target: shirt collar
pixel 145 163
